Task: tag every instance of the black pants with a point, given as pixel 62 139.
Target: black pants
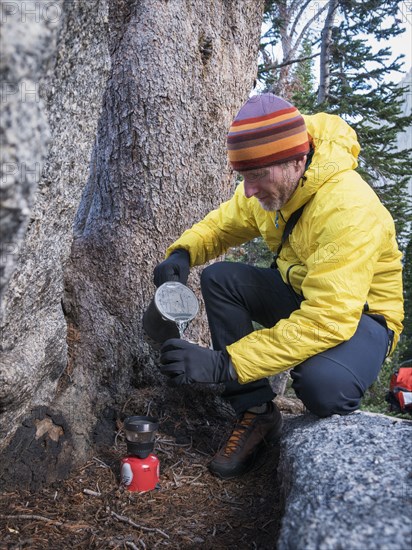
pixel 332 382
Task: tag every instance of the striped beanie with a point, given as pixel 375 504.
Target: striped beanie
pixel 267 130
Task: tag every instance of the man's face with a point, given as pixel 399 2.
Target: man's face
pixel 273 186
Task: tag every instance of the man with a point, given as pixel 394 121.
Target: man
pixel 331 305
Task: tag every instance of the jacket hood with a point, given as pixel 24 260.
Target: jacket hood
pixel 336 149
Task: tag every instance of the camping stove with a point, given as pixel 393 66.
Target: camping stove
pixel 140 468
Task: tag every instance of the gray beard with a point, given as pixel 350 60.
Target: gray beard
pixel 270 206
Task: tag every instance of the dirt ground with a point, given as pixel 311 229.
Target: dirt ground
pixel 190 508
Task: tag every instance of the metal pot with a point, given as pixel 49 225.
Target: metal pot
pixel 173 304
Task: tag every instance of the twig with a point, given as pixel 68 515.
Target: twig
pixel 228 501
pixel 92 493
pixel 164 451
pixel 85 466
pixel 195 479
pixel 201 452
pixel 125 519
pixel 131 545
pixel 103 464
pixel 166 442
pixel 285 63
pixel 176 479
pixel 31 516
pixel 148 408
pixel 176 464
pixel 127 402
pixel 267 523
pixel 116 436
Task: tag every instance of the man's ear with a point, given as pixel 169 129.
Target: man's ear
pixel 301 162
pixel 303 159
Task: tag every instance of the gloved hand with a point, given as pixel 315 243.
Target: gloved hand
pixel 175 268
pixel 186 363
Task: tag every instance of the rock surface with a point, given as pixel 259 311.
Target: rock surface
pixel 290 405
pixel 347 483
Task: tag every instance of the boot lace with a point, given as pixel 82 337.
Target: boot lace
pixel 239 433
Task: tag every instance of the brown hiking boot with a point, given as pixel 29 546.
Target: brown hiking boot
pixel 250 433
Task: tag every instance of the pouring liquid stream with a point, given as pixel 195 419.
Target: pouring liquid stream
pixel 182 324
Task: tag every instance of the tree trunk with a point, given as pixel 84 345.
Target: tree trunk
pixel 27 41
pixel 177 73
pixel 34 349
pixel 326 42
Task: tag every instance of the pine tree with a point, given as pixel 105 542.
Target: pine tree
pixel 355 83
pixel 288 24
pixel 303 80
pixel 359 91
pixel 406 338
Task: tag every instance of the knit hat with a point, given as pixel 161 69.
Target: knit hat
pixel 267 130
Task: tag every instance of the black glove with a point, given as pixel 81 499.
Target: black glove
pixel 175 268
pixel 186 363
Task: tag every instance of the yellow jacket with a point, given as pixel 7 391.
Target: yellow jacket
pixel 341 254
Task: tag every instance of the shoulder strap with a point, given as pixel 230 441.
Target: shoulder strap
pixel 294 218
pixel 290 224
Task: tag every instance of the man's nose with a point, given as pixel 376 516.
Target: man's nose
pixel 250 188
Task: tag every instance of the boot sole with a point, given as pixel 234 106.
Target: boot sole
pixel 242 468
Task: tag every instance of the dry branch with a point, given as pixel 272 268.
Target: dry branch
pixel 32 516
pixel 125 519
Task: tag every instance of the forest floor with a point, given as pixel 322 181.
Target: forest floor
pixel 190 508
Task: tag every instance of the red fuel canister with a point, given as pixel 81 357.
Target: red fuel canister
pixel 140 474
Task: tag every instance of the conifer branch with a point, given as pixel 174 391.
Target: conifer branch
pixel 284 63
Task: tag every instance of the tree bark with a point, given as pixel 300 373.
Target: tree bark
pixel 326 42
pixel 34 329
pixel 167 78
pixel 27 42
